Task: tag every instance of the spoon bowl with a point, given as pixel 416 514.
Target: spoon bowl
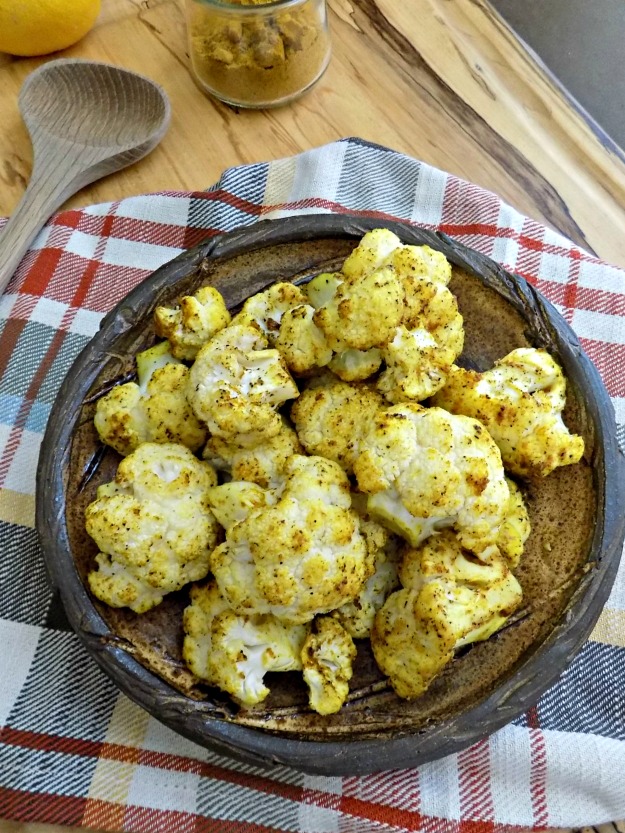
pixel 95 105
pixel 86 120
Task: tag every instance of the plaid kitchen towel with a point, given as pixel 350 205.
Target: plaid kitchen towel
pixel 72 749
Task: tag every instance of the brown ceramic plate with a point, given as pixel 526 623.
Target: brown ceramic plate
pixel 567 570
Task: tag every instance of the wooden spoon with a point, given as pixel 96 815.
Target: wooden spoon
pixel 86 119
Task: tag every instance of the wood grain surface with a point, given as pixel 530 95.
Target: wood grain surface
pixel 441 80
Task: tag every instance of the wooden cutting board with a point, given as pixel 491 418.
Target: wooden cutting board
pixel 445 82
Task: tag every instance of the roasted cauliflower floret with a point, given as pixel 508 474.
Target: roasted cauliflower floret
pixel 425 469
pixel 389 302
pixel 363 312
pixel 448 600
pixel 303 556
pixel 356 365
pixel 234 652
pixel 233 502
pixel 359 307
pixel 322 288
pixel 301 342
pixel 262 464
pixel 236 385
pixel 327 657
pixel 374 250
pixel 265 309
pixel 331 418
pixel 154 410
pixel 153 526
pixel 381 247
pixel 520 401
pixel 431 336
pixel 198 318
pixel 423 350
pixel 416 262
pixel 385 555
pixel 515 528
pixel 285 317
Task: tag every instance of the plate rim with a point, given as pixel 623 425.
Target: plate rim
pixel 541 668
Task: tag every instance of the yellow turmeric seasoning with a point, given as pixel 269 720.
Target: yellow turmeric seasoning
pixel 254 54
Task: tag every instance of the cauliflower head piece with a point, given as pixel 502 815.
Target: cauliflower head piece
pixel 303 555
pixel 520 401
pixel 423 349
pixel 449 599
pixel 234 652
pixel 331 418
pixel 356 365
pixel 233 502
pixel 364 311
pixel 515 528
pixel 359 307
pixel 265 310
pixel 327 655
pixel 425 469
pixel 431 335
pixel 262 464
pixel 236 385
pixel 154 410
pixel 285 317
pixel 301 342
pixel 198 318
pixel 384 554
pixel 153 527
pixel 381 247
pixel 390 302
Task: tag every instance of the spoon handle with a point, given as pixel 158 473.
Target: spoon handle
pixel 48 189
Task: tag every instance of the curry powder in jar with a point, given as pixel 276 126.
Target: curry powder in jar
pixel 249 53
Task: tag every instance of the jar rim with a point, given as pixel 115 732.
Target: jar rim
pixel 235 8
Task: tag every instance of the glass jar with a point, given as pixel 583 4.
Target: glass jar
pixel 250 53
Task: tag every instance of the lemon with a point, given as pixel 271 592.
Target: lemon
pixel 38 27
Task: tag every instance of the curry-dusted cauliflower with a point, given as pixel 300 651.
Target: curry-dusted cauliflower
pixel 356 365
pixel 385 555
pixel 285 317
pixel 233 502
pixel 364 310
pixel 448 600
pixel 302 556
pixel 515 528
pixel 327 657
pixel 414 262
pixel 331 418
pixel 520 401
pixel 349 365
pixel 262 464
pixel 265 309
pixel 154 410
pixel 359 307
pixel 419 358
pixel 198 318
pixel 390 302
pixel 381 246
pixel 153 526
pixel 234 652
pixel 236 385
pixel 431 336
pixel 425 469
pixel 301 342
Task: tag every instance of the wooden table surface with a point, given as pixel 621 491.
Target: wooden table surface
pixel 441 80
pixel 444 81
